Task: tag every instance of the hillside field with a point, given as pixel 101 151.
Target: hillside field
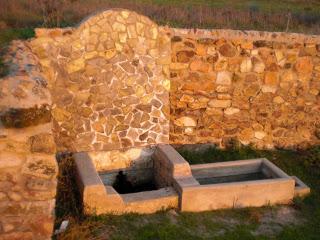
pixel 269 15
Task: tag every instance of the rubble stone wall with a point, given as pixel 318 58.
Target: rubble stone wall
pixel 109 82
pixel 254 87
pixel 28 167
pixel 101 86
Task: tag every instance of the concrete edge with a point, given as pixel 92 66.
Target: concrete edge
pixel 249 35
pixel 171 154
pixel 275 169
pixel 180 167
pixel 247 183
pixel 88 178
pixel 301 189
pixel 227 164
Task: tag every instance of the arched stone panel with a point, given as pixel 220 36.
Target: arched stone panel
pixel 108 81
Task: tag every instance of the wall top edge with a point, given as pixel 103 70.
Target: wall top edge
pixel 249 35
pixel 231 34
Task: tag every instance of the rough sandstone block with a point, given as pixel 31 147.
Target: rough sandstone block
pixel 219 103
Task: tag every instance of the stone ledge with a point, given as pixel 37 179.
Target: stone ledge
pixel 25 117
pixel 25 86
pixel 301 189
pixel 244 35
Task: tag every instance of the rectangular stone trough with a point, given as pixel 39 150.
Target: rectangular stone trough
pixel 246 183
pixel 164 179
pixel 234 184
pixel 97 178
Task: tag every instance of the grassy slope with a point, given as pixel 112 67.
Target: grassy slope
pixel 263 5
pixel 262 14
pixel 270 15
pixel 6 36
pixel 208 225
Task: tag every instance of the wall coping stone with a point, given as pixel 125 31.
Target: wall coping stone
pixel 244 35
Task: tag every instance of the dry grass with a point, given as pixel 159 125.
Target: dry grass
pixel 259 15
pixel 68 200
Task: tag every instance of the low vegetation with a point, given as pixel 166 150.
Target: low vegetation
pixel 299 221
pixel 6 36
pixel 271 15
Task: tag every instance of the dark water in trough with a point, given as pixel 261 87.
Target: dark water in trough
pixel 232 178
pixel 123 186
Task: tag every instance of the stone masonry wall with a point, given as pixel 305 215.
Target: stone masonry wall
pixel 109 82
pixel 27 151
pixel 254 87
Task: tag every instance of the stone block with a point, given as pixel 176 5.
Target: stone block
pixel 185 122
pixel 43 143
pixel 231 111
pixel 304 65
pixel 41 166
pixel 227 50
pixel 25 117
pixel 246 65
pixel 215 103
pixel 224 78
pixel 10 160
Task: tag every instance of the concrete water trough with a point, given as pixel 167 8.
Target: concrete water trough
pixel 166 180
pixel 120 188
pixel 246 183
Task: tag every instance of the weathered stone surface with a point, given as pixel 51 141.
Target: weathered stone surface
pixel 198 65
pixel 231 111
pixel 278 100
pixel 186 122
pixel 185 56
pixel 288 76
pixel 120 67
pixel 75 65
pixel 43 143
pixel 219 103
pixel 304 65
pixel 259 67
pixel 224 78
pixel 19 118
pixel 268 89
pixel 271 79
pixel 246 136
pixel 40 165
pixel 227 50
pixel 254 79
pixel 222 89
pixel 178 66
pixel 187 98
pixel 246 65
pixel 118 27
pixel 10 159
pixel 25 128
pixel 259 135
